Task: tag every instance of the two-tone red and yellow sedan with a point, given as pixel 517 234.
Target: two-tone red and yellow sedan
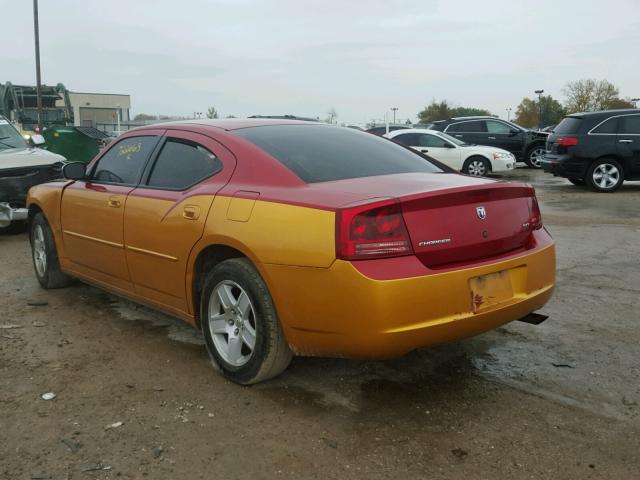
pixel 278 238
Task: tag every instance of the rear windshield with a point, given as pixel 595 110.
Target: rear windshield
pixel 568 125
pixel 322 153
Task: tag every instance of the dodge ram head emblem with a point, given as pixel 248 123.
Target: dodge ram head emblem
pixel 482 213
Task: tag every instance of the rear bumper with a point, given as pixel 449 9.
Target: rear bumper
pixel 339 311
pixel 9 214
pixel 563 166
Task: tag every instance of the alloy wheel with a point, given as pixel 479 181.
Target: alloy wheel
pixel 606 176
pixel 39 249
pixel 232 323
pixel 535 156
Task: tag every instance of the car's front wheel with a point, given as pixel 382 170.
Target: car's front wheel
pixel 240 324
pixel 605 175
pixel 45 255
pixel 476 166
pixel 534 156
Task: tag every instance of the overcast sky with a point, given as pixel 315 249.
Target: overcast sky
pixel 303 57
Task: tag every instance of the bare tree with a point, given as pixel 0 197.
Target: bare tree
pixel 589 95
pixel 212 112
pixel 332 115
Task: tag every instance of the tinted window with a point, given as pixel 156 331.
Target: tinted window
pixel 475 126
pixel 182 164
pixel 427 140
pixel 123 163
pixel 568 125
pixel 609 126
pixel 321 153
pixel 497 127
pixel 630 125
pixel 408 139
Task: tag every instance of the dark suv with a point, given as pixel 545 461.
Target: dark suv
pixel 526 145
pixel 601 149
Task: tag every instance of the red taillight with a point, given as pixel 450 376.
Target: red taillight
pixel 567 141
pixel 535 220
pixel 375 230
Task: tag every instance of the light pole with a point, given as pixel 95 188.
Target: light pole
pixel 539 93
pixel 635 102
pixel 394 110
pixel 118 118
pixel 508 109
pixel 36 33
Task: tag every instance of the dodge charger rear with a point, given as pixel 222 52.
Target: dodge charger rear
pixel 297 239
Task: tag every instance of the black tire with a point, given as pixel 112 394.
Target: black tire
pixel 271 354
pixel 577 181
pixel 596 175
pixel 476 166
pixel 533 154
pixel 48 273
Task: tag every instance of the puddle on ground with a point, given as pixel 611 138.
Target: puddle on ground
pixel 177 329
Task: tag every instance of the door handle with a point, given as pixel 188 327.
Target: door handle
pixel 459 136
pixel 492 138
pixel 114 202
pixel 625 141
pixel 424 150
pixel 191 212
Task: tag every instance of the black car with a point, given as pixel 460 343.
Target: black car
pixel 601 149
pixel 527 145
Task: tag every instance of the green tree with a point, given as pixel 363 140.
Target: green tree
pixel 442 110
pixel 212 112
pixel 589 95
pixel 528 112
pixel 620 103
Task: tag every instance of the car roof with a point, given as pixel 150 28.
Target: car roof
pixel 416 130
pixel 605 113
pixel 228 123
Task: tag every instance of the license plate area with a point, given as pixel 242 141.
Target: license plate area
pixel 490 290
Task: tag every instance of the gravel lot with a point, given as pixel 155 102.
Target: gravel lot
pixel 560 400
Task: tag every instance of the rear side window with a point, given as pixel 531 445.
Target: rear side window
pixel 408 139
pixel 123 163
pixel 427 140
pixel 568 125
pixel 497 127
pixel 630 125
pixel 181 164
pixel 475 126
pixel 608 126
pixel 321 153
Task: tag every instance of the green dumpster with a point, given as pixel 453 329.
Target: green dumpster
pixel 76 144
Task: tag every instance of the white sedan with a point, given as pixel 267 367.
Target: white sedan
pixel 476 160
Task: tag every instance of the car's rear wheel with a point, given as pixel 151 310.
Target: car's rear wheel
pixel 240 324
pixel 577 181
pixel 45 255
pixel 605 175
pixel 534 156
pixel 476 166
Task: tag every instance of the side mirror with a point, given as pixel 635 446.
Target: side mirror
pixel 74 171
pixel 36 140
pixel 514 132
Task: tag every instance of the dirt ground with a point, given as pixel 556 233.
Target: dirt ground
pixel 556 401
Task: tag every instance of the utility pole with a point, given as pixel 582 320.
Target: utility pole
pixel 36 31
pixel 635 102
pixel 539 93
pixel 508 109
pixel 394 110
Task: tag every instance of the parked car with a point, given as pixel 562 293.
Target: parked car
pixel 475 160
pixel 527 145
pixel 21 167
pixel 383 129
pixel 286 237
pixel 601 149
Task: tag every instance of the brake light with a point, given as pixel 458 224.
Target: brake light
pixel 567 141
pixel 374 230
pixel 535 217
